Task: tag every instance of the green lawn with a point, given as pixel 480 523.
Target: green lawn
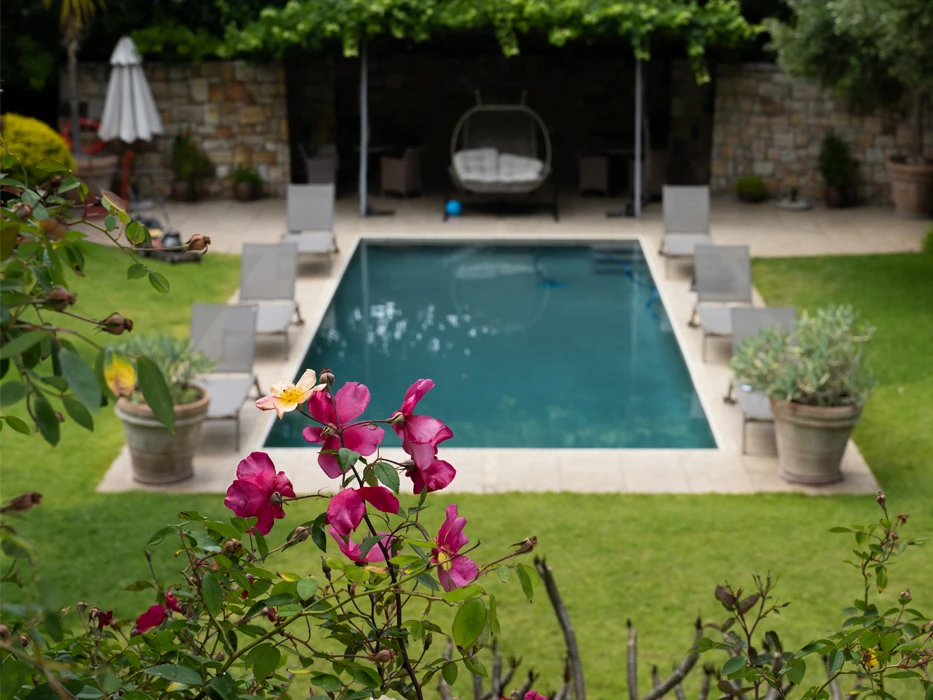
pixel 654 559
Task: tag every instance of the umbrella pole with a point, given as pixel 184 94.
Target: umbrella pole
pixel 639 109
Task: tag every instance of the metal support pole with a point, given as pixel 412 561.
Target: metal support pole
pixel 364 128
pixel 639 108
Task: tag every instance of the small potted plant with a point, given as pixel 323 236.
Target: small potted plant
pixel 816 379
pixel 158 456
pixel 247 183
pixel 839 169
pixel 190 166
pixel 751 188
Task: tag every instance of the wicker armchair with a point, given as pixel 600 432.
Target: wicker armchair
pixel 402 175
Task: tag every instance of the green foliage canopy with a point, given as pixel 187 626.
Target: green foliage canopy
pixel 314 24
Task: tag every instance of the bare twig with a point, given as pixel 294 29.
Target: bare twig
pixel 443 688
pixel 526 686
pixel 679 672
pixel 834 692
pixel 570 638
pixel 632 661
pixel 655 680
pixel 679 689
pixel 708 672
pixel 495 680
pixel 477 687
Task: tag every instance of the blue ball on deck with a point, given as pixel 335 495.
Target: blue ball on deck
pixel 453 208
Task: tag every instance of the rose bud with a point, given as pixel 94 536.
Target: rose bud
pixel 232 548
pixel 327 378
pixel 301 534
pixel 881 498
pixel 22 503
pixel 23 210
pixel 4 633
pixel 269 612
pixel 198 242
pixel 55 228
pixel 904 598
pixel 82 606
pixel 60 299
pixel 24 640
pixel 902 518
pixel 115 324
pixel 219 656
pixel 59 416
pixel 383 656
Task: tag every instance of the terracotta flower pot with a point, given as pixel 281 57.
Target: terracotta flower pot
pixel 158 456
pixel 244 191
pixel 911 188
pixel 836 197
pixel 183 191
pixel 811 440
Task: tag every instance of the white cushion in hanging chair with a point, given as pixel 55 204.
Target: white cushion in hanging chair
pixel 513 168
pixel 480 165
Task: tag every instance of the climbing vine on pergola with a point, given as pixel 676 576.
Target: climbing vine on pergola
pixel 316 24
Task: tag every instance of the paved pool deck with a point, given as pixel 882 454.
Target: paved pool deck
pixel 767 230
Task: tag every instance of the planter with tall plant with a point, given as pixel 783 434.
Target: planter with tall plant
pixel 191 168
pixel 839 169
pixel 816 379
pixel 158 455
pixel 870 59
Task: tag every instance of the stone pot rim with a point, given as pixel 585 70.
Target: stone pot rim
pixel 806 410
pixel 900 164
pixel 142 410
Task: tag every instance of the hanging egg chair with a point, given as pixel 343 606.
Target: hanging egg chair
pixel 500 149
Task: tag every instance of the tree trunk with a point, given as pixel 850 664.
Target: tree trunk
pixel 915 155
pixel 71 46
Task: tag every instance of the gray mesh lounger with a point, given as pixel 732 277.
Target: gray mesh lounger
pixel 309 215
pixel 756 408
pixel 267 279
pixel 723 280
pixel 686 221
pixel 226 334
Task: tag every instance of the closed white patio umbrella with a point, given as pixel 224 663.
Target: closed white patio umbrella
pixel 130 112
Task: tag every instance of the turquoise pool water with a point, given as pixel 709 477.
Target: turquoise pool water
pixel 529 346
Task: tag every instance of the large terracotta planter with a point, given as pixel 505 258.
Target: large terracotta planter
pixel 97 173
pixel 245 191
pixel 158 456
pixel 911 188
pixel 811 440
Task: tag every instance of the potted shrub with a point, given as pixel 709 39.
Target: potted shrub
pixel 751 188
pixel 839 170
pixel 190 166
pixel 816 379
pixel 247 183
pixel 158 456
pixel 870 59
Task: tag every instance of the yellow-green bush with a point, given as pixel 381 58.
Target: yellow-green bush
pixel 32 141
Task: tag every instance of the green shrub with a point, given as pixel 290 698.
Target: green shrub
pixel 188 161
pixel 179 363
pixel 927 245
pixel 836 165
pixel 751 188
pixel 819 363
pixel 247 174
pixel 32 142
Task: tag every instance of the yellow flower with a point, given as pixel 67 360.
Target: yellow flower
pixel 284 397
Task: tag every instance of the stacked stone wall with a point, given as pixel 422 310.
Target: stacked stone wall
pixel 772 125
pixel 234 111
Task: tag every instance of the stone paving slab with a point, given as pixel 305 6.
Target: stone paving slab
pixel 768 232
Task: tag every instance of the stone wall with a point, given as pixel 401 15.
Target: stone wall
pixel 772 125
pixel 235 112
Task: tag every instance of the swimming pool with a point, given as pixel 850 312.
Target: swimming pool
pixel 547 346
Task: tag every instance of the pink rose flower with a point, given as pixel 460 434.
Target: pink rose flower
pixel 420 437
pixel 351 400
pixel 153 617
pixel 351 550
pixel 346 510
pixel 534 695
pixel 453 571
pixel 258 490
